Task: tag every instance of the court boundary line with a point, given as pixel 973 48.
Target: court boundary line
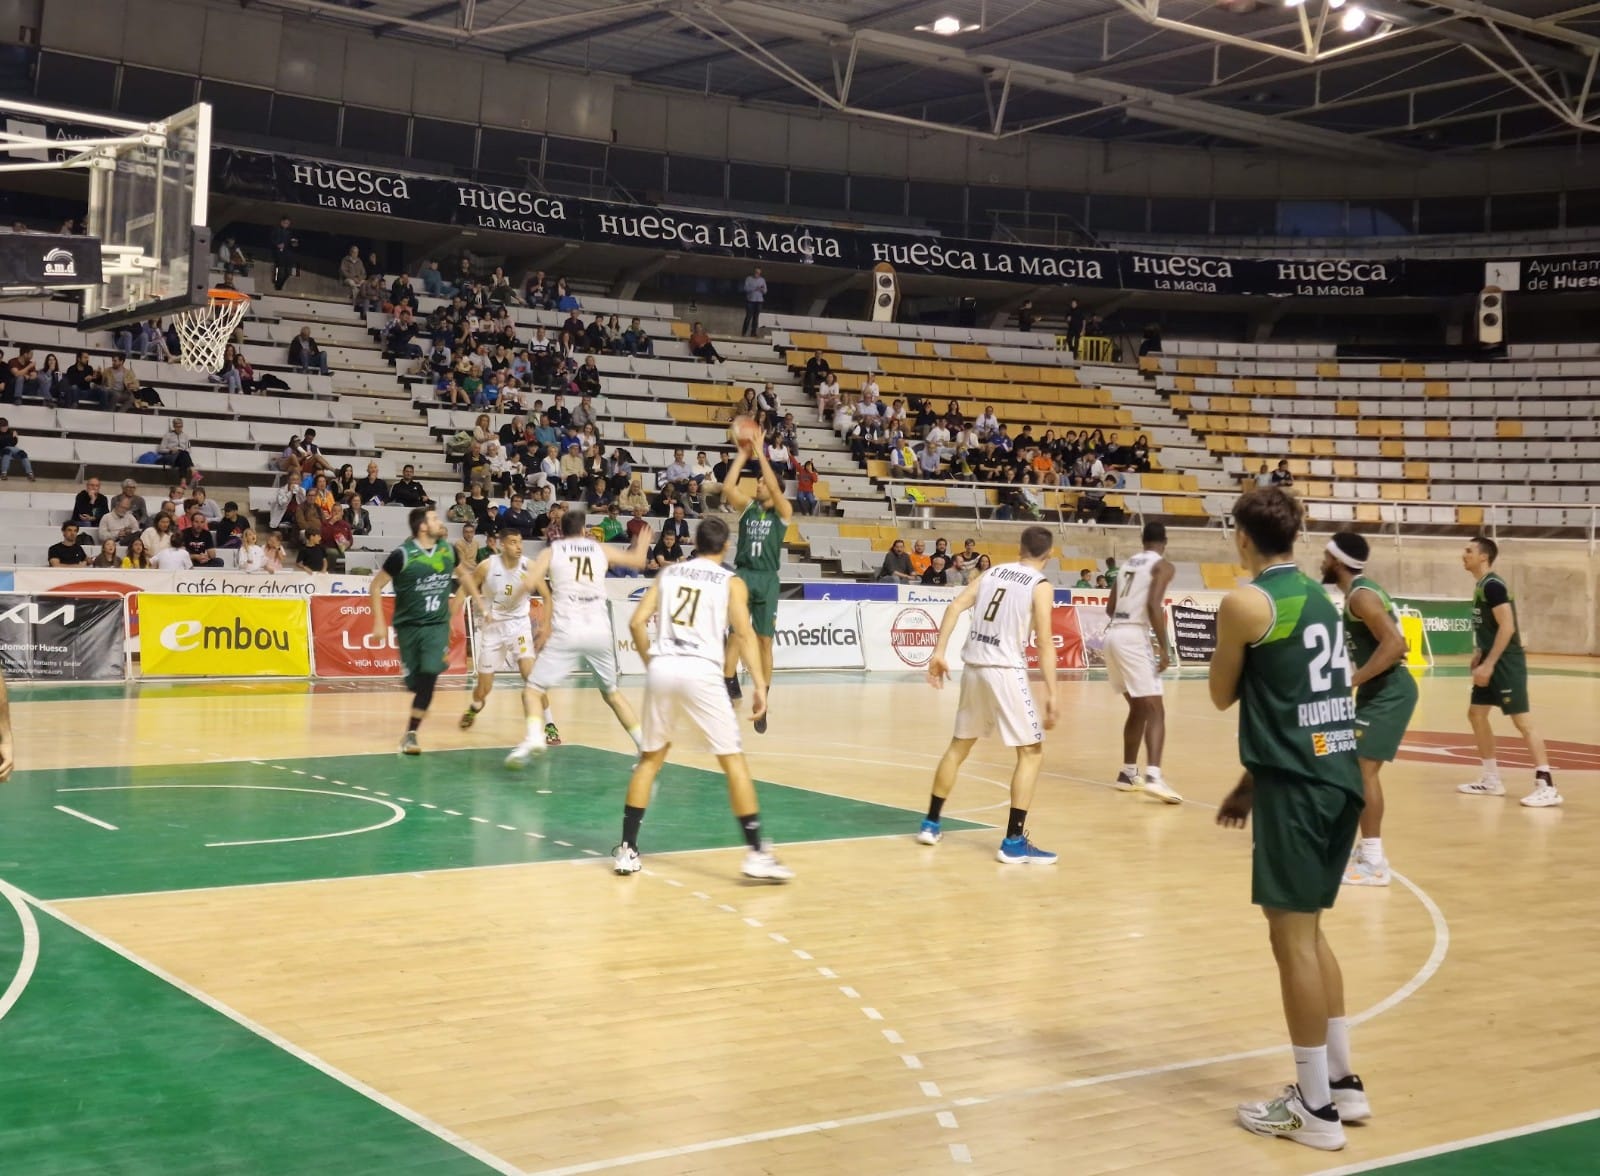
pixel 327 1069
pixel 1459 1145
pixel 29 961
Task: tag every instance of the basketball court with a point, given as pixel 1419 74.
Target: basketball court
pixel 326 957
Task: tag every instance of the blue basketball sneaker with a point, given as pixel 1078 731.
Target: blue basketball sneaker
pixel 1015 851
pixel 929 834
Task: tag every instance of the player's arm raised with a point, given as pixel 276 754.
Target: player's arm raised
pixel 938 665
pixel 774 487
pixel 732 494
pixel 749 650
pixel 1156 610
pixel 1044 597
pixel 1391 651
pixel 636 556
pixel 639 623
pixel 1242 620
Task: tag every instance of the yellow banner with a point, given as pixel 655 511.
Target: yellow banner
pixel 223 636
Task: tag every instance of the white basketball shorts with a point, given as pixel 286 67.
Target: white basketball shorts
pixel 1131 662
pixel 500 645
pixel 998 696
pixel 570 650
pixel 688 687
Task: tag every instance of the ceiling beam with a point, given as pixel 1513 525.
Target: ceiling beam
pixel 618 26
pixel 422 17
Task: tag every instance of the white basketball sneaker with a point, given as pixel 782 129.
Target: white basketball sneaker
pixel 1483 786
pixel 1161 791
pixel 1126 783
pixel 1544 795
pixel 524 751
pixel 625 860
pixel 1365 873
pixel 1350 1099
pixel 1288 1117
pixel 762 864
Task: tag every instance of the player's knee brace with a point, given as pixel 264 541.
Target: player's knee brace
pixel 423 698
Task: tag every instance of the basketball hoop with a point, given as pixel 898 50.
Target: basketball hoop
pixel 204 331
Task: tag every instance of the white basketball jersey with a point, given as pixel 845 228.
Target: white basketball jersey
pixel 1133 589
pixel 692 612
pixel 578 581
pixel 503 590
pixel 1002 618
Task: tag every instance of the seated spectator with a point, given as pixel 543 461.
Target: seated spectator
pixel 987 425
pixel 306 355
pixel 1281 476
pixel 90 506
pixel 816 369
pixel 536 291
pixel 403 295
pixel 352 270
pixel 337 533
pixel 173 451
pixel 572 332
pixel 136 557
pixel 588 379
pixel 778 456
pixel 408 491
pixel 636 523
pixel 610 528
pixel 252 556
pixel 312 556
pixel 198 541
pixel 67 553
pixel 231 260
pixel 571 472
pixel 120 388
pixel 484 512
pixel 896 564
pixel 372 488
pixel 1151 343
pixel 1083 578
pixel 466 547
pixel 701 347
pixel 598 496
pixel 596 339
pixel 173 558
pixel 120 524
pixel 370 295
pixel 11 450
pixel 22 376
pixel 1100 582
pixel 636 340
pixel 459 511
pixel 356 514
pixel 805 498
pixel 1139 455
pixel 161 533
pixel 936 574
pixel 78 381
pixel 633 499
pixel 516 517
pixel 229 529
pixel 565 300
pixel 919 557
pixel 668 550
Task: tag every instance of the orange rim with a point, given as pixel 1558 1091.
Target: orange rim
pixel 220 295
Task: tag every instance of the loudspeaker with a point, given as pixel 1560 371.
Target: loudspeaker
pixel 885 297
pixel 1491 316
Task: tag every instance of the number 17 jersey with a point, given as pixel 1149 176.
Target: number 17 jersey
pixel 1296 713
pixel 1002 618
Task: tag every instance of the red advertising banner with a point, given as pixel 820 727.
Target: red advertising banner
pixel 343 647
pixel 1068 640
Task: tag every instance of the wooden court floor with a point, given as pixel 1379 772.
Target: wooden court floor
pixel 239 935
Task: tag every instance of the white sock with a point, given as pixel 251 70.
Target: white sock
pixel 1372 854
pixel 549 716
pixel 1311 1072
pixel 1339 1048
pixel 1152 773
pixel 535 731
pixel 1130 770
pixel 1491 769
pixel 637 735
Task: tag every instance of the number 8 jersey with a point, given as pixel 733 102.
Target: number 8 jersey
pixel 1296 713
pixel 692 610
pixel 1002 618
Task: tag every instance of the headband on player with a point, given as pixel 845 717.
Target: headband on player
pixel 1344 557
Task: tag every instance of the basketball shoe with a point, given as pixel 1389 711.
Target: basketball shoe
pixel 552 737
pixel 625 860
pixel 409 744
pixel 1544 794
pixel 524 751
pixel 1483 786
pixel 1350 1099
pixel 1125 782
pixel 929 834
pixel 764 865
pixel 1288 1117
pixel 1159 789
pixel 1015 851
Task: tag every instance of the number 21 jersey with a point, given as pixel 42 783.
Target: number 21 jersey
pixel 692 610
pixel 1002 618
pixel 1296 714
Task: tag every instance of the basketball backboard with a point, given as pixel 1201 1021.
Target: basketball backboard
pixel 149 187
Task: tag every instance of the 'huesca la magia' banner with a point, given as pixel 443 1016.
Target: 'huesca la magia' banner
pixel 292 180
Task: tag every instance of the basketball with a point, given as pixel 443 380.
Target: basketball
pixel 744 431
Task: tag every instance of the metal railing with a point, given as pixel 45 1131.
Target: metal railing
pixel 1139 503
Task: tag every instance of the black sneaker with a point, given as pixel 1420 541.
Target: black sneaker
pixel 734 693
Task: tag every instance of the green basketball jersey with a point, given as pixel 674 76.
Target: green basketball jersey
pixel 760 540
pixel 423 583
pixel 1296 715
pixel 1484 627
pixel 1362 641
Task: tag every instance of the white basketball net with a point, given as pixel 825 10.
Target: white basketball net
pixel 204 332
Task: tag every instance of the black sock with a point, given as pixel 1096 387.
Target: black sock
pixel 475 706
pixel 1015 822
pixel 752 830
pixel 935 807
pixel 632 818
pixel 413 723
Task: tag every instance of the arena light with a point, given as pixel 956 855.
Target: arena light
pixel 1293 3
pixel 948 26
pixel 1354 17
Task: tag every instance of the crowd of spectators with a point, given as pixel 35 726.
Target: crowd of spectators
pixel 81 384
pixel 186 529
pixel 939 568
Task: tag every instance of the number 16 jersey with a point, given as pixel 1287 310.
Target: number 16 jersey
pixel 692 610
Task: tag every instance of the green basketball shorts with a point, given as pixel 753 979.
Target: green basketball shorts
pixel 763 589
pixel 424 649
pixel 1383 714
pixel 1507 688
pixel 1303 835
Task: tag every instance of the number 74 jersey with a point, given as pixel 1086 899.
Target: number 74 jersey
pixel 692 610
pixel 1296 713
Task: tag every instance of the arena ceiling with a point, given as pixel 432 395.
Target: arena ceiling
pixel 1411 76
